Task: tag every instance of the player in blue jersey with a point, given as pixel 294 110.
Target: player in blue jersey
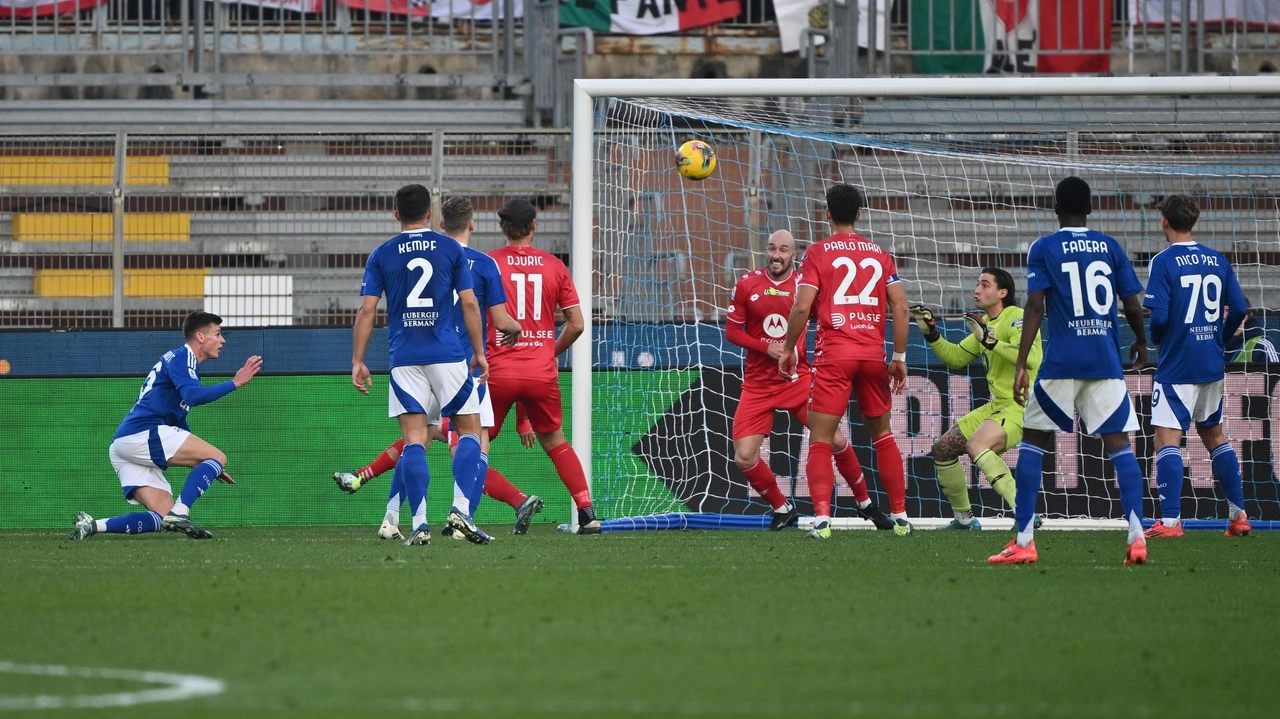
pixel 420 270
pixel 1189 288
pixel 1076 276
pixel 154 436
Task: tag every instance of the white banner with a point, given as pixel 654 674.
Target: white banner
pixel 1248 12
pixel 793 17
pixel 294 5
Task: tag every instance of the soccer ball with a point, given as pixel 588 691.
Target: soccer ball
pixel 696 160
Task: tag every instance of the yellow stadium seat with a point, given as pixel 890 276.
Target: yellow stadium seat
pixel 79 227
pixel 49 170
pixel 154 283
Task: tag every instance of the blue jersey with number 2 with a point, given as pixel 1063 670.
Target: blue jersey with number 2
pixel 1085 275
pixel 419 271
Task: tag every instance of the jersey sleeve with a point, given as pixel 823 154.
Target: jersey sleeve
pixel 955 355
pixel 890 271
pixel 493 291
pixel 373 284
pixel 811 269
pixel 568 296
pixel 461 273
pixel 194 394
pixel 737 311
pixel 1157 296
pixel 1235 299
pixel 1127 284
pixel 1037 268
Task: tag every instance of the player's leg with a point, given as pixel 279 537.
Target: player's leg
pixel 952 481
pixel 142 483
pixel 1226 466
pixel 1044 414
pixel 752 420
pixel 502 394
pixel 542 402
pixel 1105 409
pixel 1171 419
pixel 349 482
pixel 851 469
pixel 207 464
pixel 390 528
pixel 822 479
pixel 413 402
pixel 458 395
pixel 871 386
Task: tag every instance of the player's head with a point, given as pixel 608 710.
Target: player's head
pixel 995 289
pixel 1072 198
pixel 1180 212
pixel 781 252
pixel 203 331
pixel 844 204
pixel 456 214
pixel 517 219
pixel 413 204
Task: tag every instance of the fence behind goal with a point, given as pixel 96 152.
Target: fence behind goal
pixel 953 184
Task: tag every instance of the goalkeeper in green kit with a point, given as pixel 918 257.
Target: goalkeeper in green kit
pixel 985 433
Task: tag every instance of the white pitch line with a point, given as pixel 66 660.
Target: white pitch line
pixel 178 687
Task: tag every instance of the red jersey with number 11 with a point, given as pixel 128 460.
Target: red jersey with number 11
pixel 851 275
pixel 536 283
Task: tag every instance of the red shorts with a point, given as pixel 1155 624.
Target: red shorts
pixel 756 407
pixel 835 379
pixel 541 401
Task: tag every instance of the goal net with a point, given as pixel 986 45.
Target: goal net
pixel 954 183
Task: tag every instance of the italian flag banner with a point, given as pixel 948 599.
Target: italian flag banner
pixel 40 8
pixel 1020 36
pixel 646 17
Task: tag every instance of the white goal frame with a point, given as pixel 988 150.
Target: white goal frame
pixel 583 199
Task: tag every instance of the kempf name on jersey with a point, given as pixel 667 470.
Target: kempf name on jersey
pixel 415 246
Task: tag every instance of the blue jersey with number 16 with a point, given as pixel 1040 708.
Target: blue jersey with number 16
pixel 419 270
pixel 1191 287
pixel 1085 275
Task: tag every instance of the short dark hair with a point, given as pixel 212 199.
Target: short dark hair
pixel 1072 197
pixel 413 202
pixel 843 202
pixel 1181 211
pixel 455 214
pixel 1004 281
pixel 197 321
pixel 516 218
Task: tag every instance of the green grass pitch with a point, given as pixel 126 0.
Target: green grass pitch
pixel 331 622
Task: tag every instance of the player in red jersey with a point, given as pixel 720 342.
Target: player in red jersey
pixel 847 281
pixel 536 283
pixel 757 322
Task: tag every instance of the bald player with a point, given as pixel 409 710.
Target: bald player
pixel 757 322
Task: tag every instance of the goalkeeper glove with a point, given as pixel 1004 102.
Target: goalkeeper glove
pixel 976 323
pixel 925 321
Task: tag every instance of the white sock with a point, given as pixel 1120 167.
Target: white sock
pixel 1233 511
pixel 898 515
pixel 1025 538
pixel 419 519
pixel 100 525
pixel 964 517
pixel 1135 527
pixel 818 521
pixel 1170 522
pixel 865 504
pixel 786 507
pixel 180 508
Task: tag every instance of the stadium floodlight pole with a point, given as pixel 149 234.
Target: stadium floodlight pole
pixel 583 201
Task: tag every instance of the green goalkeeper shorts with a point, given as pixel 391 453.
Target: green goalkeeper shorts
pixel 1006 414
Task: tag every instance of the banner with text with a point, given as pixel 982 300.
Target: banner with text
pixel 646 17
pixel 1249 13
pixel 972 37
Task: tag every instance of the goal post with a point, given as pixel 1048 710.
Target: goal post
pixel 956 172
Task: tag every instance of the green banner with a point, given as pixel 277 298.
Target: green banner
pixel 284 437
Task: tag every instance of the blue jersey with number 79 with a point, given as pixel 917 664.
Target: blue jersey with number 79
pixel 1194 286
pixel 419 271
pixel 1085 275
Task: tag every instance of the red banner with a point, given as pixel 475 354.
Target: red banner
pixel 1075 25
pixel 42 8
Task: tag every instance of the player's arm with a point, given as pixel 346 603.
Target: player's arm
pixel 1009 350
pixel 195 394
pixel 1236 303
pixel 797 323
pixel 901 311
pixel 573 328
pixel 505 324
pixel 362 331
pixel 1157 301
pixel 956 356
pixel 524 427
pixel 1133 313
pixel 471 318
pixel 737 334
pixel 1032 316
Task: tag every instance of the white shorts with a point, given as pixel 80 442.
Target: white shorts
pixel 1103 405
pixel 140 459
pixel 434 390
pixel 1176 406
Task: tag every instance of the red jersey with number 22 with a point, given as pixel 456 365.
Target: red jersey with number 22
pixel 851 275
pixel 536 282
pixel 763 307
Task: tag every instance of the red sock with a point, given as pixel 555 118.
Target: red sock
pixel 570 471
pixel 385 462
pixel 847 463
pixel 762 479
pixel 822 479
pixel 497 486
pixel 892 473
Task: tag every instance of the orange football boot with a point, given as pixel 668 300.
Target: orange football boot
pixel 1013 554
pixel 1137 553
pixel 1160 529
pixel 1239 527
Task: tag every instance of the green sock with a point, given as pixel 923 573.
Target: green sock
pixel 998 474
pixel 954 485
